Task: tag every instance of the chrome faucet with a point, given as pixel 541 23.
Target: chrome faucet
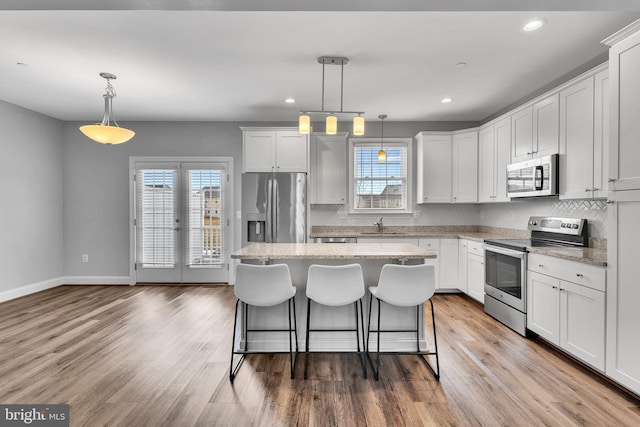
pixel 379 224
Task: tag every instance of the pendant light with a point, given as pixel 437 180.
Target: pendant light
pixel 382 155
pixel 331 121
pixel 104 132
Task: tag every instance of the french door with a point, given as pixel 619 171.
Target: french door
pixel 181 222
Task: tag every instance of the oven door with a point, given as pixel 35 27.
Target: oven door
pixel 505 278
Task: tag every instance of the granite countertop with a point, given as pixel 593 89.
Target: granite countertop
pixel 587 255
pixel 596 254
pixel 390 251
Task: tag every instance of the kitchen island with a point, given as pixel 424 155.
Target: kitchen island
pixel 299 256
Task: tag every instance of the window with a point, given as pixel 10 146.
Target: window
pixel 380 186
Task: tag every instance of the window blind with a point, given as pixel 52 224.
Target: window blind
pixel 205 206
pixel 380 185
pixel 156 214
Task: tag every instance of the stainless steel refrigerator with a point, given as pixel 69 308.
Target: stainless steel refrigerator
pixel 274 207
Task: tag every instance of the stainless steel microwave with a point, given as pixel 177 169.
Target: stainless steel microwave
pixel 535 177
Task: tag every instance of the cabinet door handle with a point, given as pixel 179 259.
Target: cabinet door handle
pixel 579 275
pixel 563 290
pixel 554 287
pixel 587 190
pixel 612 180
pixel 596 189
pixel 540 265
pixel 610 202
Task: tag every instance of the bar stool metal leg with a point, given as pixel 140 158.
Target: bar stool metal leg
pixel 233 371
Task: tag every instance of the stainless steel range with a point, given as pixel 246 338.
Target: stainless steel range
pixel 506 266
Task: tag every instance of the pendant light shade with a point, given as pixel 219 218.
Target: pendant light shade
pixel 382 155
pixel 105 132
pixel 304 124
pixel 332 125
pixel 358 126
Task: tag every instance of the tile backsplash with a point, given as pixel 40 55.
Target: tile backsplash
pixel 514 214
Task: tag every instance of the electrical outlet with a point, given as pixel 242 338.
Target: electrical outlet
pixel 85 257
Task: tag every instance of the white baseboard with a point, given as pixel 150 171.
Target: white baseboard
pixel 31 289
pixel 96 280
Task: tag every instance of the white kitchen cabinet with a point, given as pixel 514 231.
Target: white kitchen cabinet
pixel 494 154
pixel 522 136
pixel 434 246
pixel 543 306
pixel 464 167
pixel 583 138
pixel 475 270
pixel 536 129
pixel 601 134
pixel 434 167
pixel 448 264
pixel 274 150
pixel 566 306
pixel 623 291
pixel 328 169
pixel 624 68
pixel 463 261
pixel 576 140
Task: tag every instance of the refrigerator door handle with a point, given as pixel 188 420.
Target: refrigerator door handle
pixel 274 213
pixel 269 220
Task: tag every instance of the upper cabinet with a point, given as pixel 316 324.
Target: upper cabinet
pixel 274 150
pixel 624 68
pixel 328 169
pixel 494 154
pixel 583 138
pixel 434 167
pixel 464 167
pixel 535 130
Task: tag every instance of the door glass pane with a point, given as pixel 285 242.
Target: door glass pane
pixel 205 216
pixel 156 218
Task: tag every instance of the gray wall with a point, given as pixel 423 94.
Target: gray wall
pixel 96 182
pixel 31 248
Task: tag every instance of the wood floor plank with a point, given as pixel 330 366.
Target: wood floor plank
pixel 158 355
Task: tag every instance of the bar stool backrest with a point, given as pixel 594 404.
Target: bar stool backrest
pixel 406 285
pixel 263 285
pixel 335 285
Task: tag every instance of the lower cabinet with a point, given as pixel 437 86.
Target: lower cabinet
pixel 566 306
pixel 475 271
pixel 462 265
pixel 446 264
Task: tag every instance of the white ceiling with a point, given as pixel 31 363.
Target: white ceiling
pixel 233 61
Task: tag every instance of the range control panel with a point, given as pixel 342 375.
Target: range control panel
pixel 572 226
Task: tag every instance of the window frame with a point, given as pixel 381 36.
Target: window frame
pixel 388 142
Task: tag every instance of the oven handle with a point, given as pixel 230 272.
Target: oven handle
pixel 507 252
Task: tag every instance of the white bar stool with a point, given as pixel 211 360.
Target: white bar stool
pixel 405 286
pixel 336 286
pixel 263 286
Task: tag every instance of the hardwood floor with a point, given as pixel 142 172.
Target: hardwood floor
pixel 158 356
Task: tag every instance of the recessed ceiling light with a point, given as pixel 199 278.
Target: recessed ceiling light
pixel 446 100
pixel 290 100
pixel 534 24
